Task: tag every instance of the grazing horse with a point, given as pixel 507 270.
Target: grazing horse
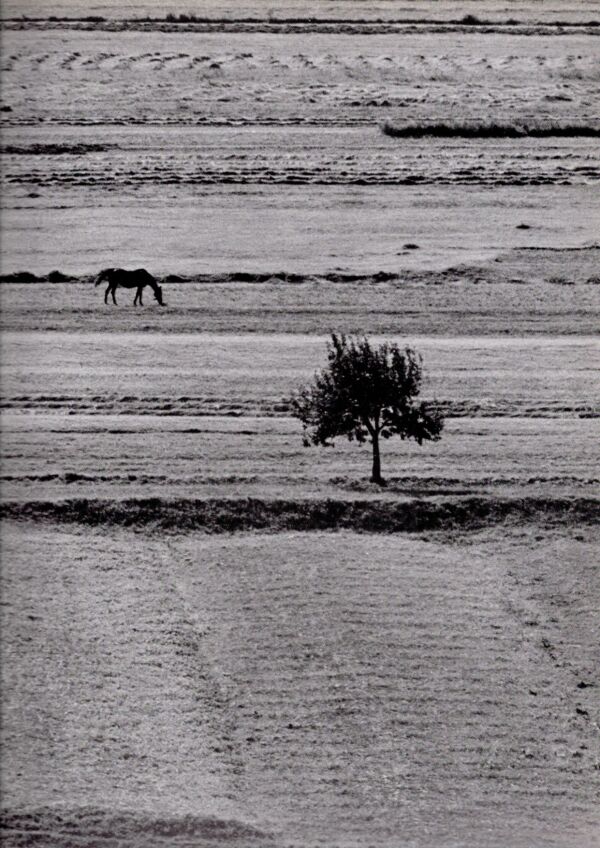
pixel 129 280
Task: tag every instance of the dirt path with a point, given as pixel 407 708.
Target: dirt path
pixel 326 688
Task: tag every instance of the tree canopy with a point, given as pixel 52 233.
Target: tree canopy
pixel 366 392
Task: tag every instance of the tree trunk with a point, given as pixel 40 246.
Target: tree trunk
pixel 376 475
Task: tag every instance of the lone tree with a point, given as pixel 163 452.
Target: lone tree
pixel 366 393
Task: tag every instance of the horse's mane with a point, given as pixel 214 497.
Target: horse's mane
pixel 103 275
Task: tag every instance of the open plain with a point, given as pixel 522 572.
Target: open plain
pixel 212 635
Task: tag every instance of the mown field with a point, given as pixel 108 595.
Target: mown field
pixel 294 689
pixel 143 414
pixel 166 685
pixel 212 635
pixel 528 291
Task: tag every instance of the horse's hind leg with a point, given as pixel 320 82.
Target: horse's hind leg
pixel 138 297
pixel 113 290
pixel 106 294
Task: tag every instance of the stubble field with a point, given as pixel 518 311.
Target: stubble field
pixel 304 688
pixel 199 646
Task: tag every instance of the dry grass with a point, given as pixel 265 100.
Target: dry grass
pixel 322 688
pixel 56 455
pixel 269 683
pixel 490 130
pixel 372 516
pixel 513 293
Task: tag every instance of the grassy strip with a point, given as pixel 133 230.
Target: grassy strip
pixel 375 516
pixel 54 149
pixel 480 272
pixel 490 130
pixel 97 826
pixel 315 24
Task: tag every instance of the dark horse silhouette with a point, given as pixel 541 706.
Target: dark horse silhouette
pixel 128 280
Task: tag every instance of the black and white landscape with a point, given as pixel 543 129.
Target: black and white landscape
pixel 211 634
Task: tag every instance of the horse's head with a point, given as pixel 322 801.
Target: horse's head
pixel 103 275
pixel 158 294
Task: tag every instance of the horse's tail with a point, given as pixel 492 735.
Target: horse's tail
pixel 103 275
